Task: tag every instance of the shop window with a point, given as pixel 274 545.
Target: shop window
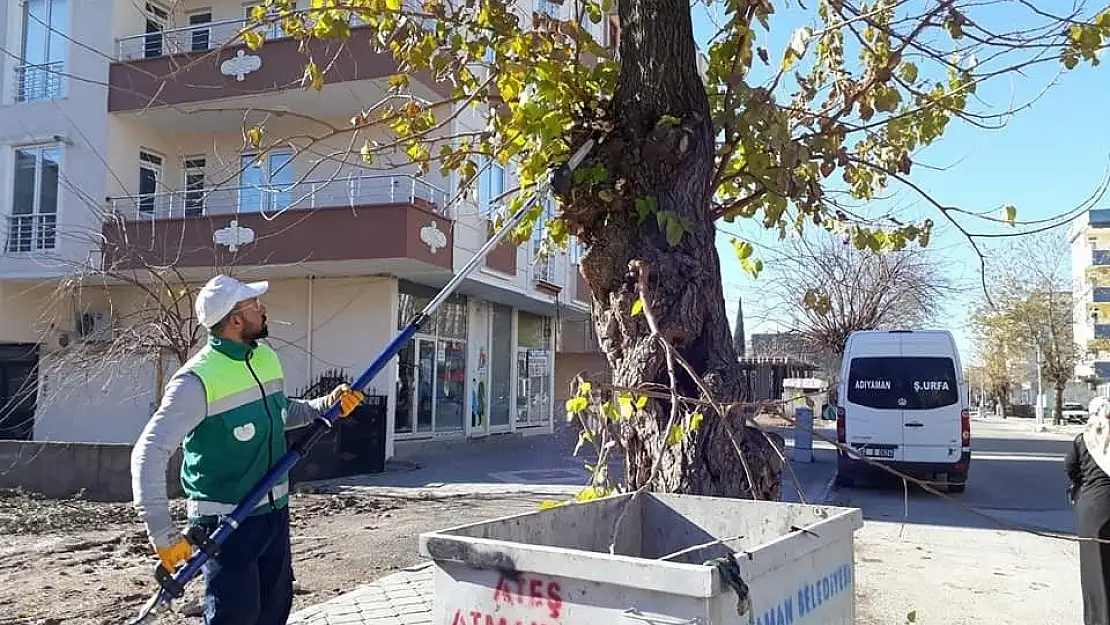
pixel 534 369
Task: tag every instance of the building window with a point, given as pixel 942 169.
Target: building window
pixel 194 185
pixel 548 8
pixel 431 375
pixel 266 182
pixel 154 42
pixel 33 222
pixel 150 179
pixel 45 24
pixel 543 267
pixel 200 33
pixel 534 370
pixel 491 186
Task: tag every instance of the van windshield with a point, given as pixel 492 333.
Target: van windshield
pixel 907 383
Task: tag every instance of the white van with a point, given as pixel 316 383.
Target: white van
pixel 901 402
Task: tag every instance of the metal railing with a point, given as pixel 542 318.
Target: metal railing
pixel 31 233
pixel 38 82
pixel 197 38
pixel 193 38
pixel 543 269
pixel 340 191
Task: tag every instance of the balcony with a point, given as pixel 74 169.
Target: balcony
pixel 363 224
pixel 156 73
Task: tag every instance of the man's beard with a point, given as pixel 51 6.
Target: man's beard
pixel 262 332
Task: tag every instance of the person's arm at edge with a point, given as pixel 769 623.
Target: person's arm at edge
pixel 184 407
pixel 301 412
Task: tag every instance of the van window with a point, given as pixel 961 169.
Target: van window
pixel 908 383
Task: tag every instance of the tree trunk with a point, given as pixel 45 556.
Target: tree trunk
pixel 674 164
pixel 1058 408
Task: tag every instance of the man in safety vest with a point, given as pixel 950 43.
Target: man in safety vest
pixel 226 408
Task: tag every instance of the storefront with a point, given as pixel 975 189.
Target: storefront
pixel 431 369
pixel 535 370
pixel 477 368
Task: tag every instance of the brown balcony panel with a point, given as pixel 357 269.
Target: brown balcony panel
pixel 196 77
pixel 582 288
pixel 379 232
pixel 503 257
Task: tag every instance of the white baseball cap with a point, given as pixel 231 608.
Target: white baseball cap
pixel 220 294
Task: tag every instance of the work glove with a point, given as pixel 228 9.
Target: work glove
pixel 347 397
pixel 175 554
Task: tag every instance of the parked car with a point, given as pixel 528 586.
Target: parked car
pixel 902 403
pixel 1074 412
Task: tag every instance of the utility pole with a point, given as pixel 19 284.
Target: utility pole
pixel 1040 398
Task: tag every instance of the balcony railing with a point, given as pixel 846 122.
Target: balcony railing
pixel 197 38
pixel 338 191
pixel 31 233
pixel 192 38
pixel 38 82
pixel 543 268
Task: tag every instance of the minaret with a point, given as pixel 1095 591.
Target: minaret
pixel 738 331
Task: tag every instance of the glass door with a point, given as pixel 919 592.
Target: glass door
pixel 424 401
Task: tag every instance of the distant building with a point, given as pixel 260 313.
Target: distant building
pixel 1090 262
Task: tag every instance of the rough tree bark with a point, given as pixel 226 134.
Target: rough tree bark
pixel 673 163
pixel 1058 408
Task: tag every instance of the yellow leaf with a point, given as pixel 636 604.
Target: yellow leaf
pixel 548 504
pixel 641 401
pixel 254 136
pixel 584 388
pixel 313 77
pixel 393 5
pixel 1009 213
pixel 253 39
pixel 695 420
pixel 625 403
pixel 577 404
pixel 637 306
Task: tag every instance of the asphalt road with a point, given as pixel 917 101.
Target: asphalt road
pixel 965 560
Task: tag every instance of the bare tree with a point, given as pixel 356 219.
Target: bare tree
pixel 1030 309
pixel 825 289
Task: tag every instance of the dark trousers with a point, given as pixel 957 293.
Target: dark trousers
pixel 251 581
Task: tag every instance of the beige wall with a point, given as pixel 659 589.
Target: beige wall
pixel 350 323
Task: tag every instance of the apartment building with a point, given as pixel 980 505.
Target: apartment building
pixel 1090 263
pixel 124 173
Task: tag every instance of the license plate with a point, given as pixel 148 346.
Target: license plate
pixel 878 452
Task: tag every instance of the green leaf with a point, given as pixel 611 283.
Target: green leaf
pixel 1009 213
pixel 911 616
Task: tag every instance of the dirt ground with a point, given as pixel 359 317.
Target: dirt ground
pixel 87 563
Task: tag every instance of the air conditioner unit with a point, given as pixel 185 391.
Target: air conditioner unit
pixel 95 326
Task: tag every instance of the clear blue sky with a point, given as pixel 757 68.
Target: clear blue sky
pixel 1047 160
